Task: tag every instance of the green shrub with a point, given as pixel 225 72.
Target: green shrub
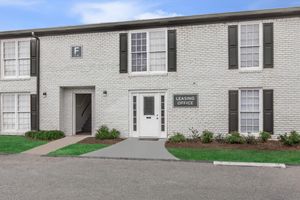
pixel 220 138
pixel 195 135
pixel 250 139
pixel 45 135
pixel 177 137
pixel 207 136
pixel 104 133
pixel 235 138
pixel 264 136
pixel 290 139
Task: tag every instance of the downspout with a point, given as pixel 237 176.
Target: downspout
pixel 38 79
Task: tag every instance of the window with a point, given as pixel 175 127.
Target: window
pixel 134 114
pixel 15 58
pixel 148 105
pixel 162 114
pixel 250 114
pixel 250 41
pixel 15 112
pixel 148 51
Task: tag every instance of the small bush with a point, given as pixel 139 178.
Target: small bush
pixel 220 138
pixel 250 139
pixel 195 135
pixel 264 136
pixel 105 134
pixel 45 135
pixel 207 136
pixel 290 139
pixel 235 138
pixel 177 138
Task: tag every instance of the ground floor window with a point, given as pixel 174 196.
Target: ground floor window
pixel 250 110
pixel 15 112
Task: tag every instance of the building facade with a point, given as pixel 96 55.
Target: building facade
pixel 152 78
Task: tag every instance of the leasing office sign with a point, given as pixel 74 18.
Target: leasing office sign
pixel 185 100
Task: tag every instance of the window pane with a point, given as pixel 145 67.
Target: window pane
pixel 10 68
pixel 8 103
pixel 148 105
pixel 158 61
pixel 24 103
pixel 250 111
pixel 9 50
pixel 24 67
pixel 9 121
pixel 139 52
pixel 24 49
pixel 24 121
pixel 250 45
pixel 157 41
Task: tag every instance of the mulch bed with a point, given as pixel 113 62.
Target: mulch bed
pixel 270 145
pixel 93 140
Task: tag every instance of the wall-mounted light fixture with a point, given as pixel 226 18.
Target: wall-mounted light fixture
pixel 105 93
pixel 44 94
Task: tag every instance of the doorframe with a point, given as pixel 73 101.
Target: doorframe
pixel 163 134
pixel 74 110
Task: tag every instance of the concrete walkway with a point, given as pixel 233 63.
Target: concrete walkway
pixel 55 145
pixel 135 149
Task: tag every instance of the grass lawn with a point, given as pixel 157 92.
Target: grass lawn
pixel 17 144
pixel 288 157
pixel 77 149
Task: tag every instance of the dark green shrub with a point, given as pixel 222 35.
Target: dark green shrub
pixel 177 138
pixel 105 134
pixel 220 138
pixel 235 138
pixel 264 136
pixel 195 135
pixel 45 135
pixel 290 139
pixel 250 139
pixel 207 136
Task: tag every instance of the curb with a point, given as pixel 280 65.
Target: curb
pixel 250 164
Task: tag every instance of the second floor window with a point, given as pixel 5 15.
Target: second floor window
pixel 148 51
pixel 15 59
pixel 250 46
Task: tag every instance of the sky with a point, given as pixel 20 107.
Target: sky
pixel 27 14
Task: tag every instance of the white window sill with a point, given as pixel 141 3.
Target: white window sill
pixel 15 79
pixel 254 70
pixel 136 74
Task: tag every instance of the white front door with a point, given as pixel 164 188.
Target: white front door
pixel 149 115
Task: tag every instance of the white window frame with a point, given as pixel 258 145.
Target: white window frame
pixel 260 67
pixel 148 72
pixel 260 110
pixel 16 130
pixel 16 57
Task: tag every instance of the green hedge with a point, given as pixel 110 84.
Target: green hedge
pixel 45 135
pixel 104 133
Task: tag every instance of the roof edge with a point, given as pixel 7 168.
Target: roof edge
pixel 151 23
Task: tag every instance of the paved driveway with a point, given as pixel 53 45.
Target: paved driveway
pixel 32 178
pixel 135 148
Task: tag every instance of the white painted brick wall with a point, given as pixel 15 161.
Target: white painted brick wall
pixel 202 60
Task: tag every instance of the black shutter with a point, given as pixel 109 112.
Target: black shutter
pixel 233 46
pixel 268 110
pixel 34 57
pixel 268 45
pixel 123 52
pixel 34 112
pixel 233 110
pixel 172 63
